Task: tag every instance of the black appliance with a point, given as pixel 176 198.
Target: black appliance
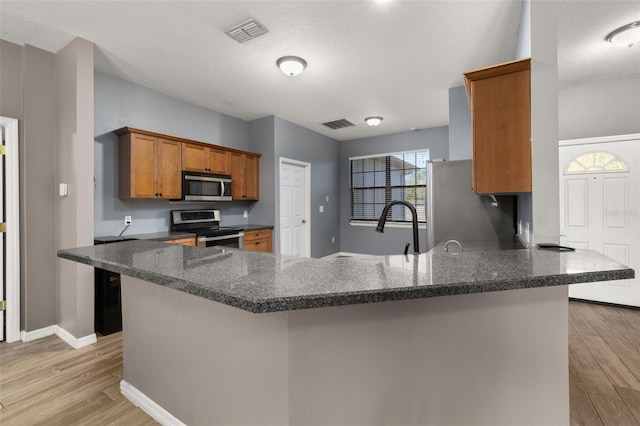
pixel 205 187
pixel 107 311
pixel 206 225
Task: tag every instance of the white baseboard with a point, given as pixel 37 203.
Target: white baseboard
pixel 70 339
pixel 29 336
pixel 74 342
pixel 149 406
pixel 346 254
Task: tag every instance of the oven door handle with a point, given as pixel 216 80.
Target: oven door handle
pixel 222 237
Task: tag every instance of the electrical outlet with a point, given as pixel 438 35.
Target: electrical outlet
pixel 327 198
pixel 526 232
pixel 333 239
pixel 127 220
pixel 519 226
pixel 245 214
pixel 321 209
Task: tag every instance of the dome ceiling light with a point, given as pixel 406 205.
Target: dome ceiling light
pixel 291 65
pixel 373 121
pixel 625 36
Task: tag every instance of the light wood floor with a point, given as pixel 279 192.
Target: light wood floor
pixel 47 382
pixel 604 364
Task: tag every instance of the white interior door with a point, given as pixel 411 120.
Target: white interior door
pixel 294 220
pixel 599 210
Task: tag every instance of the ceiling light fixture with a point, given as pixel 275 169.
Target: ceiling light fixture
pixel 291 65
pixel 625 36
pixel 373 121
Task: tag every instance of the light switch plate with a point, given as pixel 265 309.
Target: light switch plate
pixel 63 190
pixel 321 209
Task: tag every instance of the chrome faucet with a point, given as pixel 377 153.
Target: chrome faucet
pixel 414 214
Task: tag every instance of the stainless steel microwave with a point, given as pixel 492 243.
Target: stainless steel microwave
pixel 205 187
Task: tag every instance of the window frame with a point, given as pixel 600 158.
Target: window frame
pixel 388 187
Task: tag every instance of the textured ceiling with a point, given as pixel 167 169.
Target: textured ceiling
pixel 395 59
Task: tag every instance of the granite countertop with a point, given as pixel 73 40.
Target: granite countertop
pixel 261 282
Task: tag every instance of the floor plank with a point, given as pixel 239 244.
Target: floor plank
pixel 605 363
pixel 48 382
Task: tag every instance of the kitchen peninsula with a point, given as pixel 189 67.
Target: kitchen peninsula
pixel 225 336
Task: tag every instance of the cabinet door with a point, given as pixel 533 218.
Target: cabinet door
pixel 502 134
pixel 218 161
pixel 237 176
pixel 142 167
pixel 251 174
pixel 169 169
pixel 193 157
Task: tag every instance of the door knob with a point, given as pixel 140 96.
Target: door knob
pixel 304 221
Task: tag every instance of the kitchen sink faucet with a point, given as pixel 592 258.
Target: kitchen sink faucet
pixel 414 215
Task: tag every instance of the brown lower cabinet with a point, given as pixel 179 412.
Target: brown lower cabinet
pixel 260 240
pixel 185 241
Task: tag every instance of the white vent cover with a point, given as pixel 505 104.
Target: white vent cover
pixel 246 31
pixel 339 124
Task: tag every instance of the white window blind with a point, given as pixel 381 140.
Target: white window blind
pixel 376 180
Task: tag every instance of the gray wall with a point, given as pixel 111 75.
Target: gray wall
pixel 600 108
pixel 28 94
pixel 119 103
pixel 261 139
pixel 363 239
pixel 460 140
pixel 74 216
pixel 544 123
pixel 298 143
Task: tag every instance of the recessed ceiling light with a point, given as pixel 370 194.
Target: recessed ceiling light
pixel 373 121
pixel 291 65
pixel 625 36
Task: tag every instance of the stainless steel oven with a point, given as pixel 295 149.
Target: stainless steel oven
pixel 205 224
pixel 234 238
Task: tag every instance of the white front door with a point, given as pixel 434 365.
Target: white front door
pixel 600 209
pixel 294 222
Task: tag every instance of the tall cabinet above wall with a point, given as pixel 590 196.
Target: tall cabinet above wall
pixel 500 100
pixel 151 165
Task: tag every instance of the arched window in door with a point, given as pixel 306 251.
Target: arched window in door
pixel 595 162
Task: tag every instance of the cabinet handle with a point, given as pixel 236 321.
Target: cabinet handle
pixel 156 194
pixel 244 196
pixel 161 194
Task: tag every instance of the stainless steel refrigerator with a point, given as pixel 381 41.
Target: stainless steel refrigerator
pixel 455 212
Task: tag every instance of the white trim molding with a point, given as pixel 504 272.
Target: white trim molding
pixel 12 253
pixel 69 339
pixel 600 139
pixel 29 336
pixel 148 405
pixel 76 342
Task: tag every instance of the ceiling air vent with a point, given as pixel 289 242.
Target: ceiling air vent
pixel 339 124
pixel 246 31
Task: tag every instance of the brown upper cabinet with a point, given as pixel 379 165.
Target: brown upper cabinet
pixel 245 172
pixel 500 99
pixel 200 158
pixel 150 166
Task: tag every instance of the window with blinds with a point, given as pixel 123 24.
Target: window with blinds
pixel 377 180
